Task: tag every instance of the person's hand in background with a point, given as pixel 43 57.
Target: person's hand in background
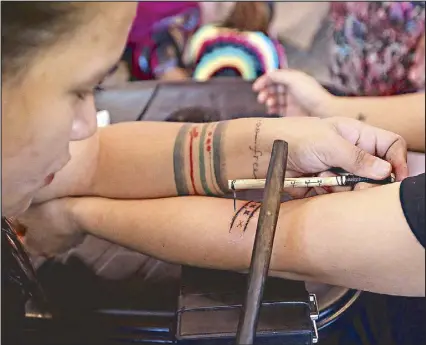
pixel 304 96
pixel 401 114
pixel 318 145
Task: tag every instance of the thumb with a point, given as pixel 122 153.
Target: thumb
pixel 359 162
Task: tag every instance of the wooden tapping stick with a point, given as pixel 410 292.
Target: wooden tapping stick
pixel 263 243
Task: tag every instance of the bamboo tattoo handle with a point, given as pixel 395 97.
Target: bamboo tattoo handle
pixel 308 182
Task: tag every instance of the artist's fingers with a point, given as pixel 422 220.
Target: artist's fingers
pixel 357 161
pixel 388 145
pixel 393 148
pixel 396 155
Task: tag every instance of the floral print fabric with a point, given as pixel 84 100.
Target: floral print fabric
pixel 373 45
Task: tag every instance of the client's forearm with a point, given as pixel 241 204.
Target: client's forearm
pixel 404 114
pixel 319 239
pixel 143 160
pixel 192 230
pixel 182 159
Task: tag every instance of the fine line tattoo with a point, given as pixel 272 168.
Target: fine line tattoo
pixel 237 213
pixel 242 217
pixel 255 149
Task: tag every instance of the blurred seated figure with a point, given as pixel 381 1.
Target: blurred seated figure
pixel 238 46
pixel 148 44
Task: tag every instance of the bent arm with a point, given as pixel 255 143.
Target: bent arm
pixel 355 239
pixel 403 114
pixel 123 160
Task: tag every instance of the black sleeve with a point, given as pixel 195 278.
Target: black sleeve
pixel 412 196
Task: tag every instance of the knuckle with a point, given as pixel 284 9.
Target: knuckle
pixel 359 157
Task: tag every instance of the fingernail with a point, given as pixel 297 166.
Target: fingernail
pixel 381 168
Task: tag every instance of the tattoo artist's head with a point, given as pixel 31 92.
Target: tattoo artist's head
pixel 53 56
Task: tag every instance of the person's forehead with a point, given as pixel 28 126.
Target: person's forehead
pixel 111 16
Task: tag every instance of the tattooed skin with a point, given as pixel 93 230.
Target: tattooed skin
pixel 242 218
pixel 197 164
pixel 255 149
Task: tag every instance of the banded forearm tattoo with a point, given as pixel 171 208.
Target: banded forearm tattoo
pixel 198 160
pixel 242 218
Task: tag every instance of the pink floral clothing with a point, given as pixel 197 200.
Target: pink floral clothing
pixel 153 18
pixel 373 45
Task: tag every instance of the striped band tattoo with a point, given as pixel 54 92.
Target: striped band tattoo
pixel 178 162
pixel 201 157
pixel 198 160
pixel 217 154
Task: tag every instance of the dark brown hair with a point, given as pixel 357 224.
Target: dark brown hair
pixel 249 16
pixel 29 26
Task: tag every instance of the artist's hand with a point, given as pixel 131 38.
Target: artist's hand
pixel 50 228
pixel 417 72
pixel 304 95
pixel 317 145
